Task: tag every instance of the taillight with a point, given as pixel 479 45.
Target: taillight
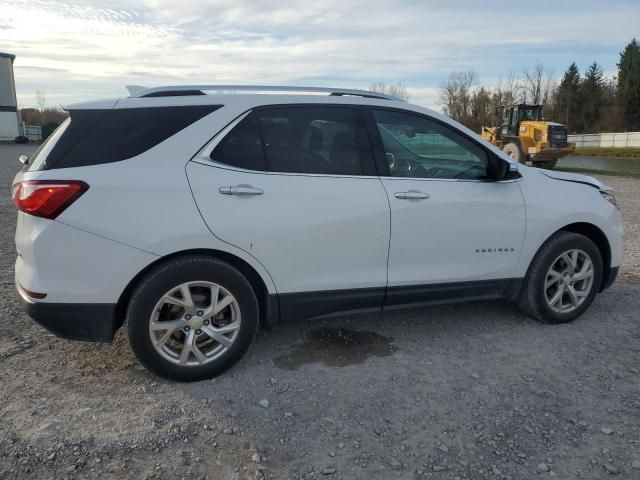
pixel 46 198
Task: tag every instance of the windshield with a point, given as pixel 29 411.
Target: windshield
pixel 530 113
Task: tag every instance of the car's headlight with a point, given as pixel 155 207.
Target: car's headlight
pixel 609 198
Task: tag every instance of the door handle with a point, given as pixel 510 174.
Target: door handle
pixel 412 195
pixel 242 190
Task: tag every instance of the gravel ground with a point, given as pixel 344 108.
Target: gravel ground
pixel 474 391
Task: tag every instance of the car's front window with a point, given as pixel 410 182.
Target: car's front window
pixel 419 147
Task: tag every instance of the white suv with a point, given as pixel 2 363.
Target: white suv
pixel 196 217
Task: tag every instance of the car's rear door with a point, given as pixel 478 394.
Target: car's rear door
pixel 296 187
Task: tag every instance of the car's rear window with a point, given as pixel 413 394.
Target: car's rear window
pixel 93 137
pixel 309 139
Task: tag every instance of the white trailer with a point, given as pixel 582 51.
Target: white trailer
pixel 8 101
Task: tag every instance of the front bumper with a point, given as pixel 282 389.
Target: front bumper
pixel 89 322
pixel 610 275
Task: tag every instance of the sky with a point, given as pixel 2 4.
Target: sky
pixel 90 50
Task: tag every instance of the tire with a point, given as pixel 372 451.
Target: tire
pixel 548 165
pixel 534 297
pixel 160 298
pixel 513 150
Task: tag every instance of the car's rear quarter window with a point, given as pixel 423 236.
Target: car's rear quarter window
pixel 95 137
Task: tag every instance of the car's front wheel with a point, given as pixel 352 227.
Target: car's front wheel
pixel 191 318
pixel 563 279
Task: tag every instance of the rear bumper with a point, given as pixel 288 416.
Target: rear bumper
pixel 89 322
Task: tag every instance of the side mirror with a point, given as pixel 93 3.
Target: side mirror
pixel 24 159
pixel 506 170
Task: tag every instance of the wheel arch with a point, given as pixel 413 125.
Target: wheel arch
pixel 597 236
pixel 268 303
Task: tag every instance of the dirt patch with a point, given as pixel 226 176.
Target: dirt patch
pixel 336 347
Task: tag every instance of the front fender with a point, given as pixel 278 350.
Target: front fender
pixel 552 205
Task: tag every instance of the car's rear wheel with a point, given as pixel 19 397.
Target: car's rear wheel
pixel 563 279
pixel 192 318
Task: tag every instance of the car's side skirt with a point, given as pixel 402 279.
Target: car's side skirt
pixel 327 303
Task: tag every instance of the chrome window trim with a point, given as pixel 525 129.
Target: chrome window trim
pixel 213 163
pixel 203 157
pixel 224 166
pixel 449 179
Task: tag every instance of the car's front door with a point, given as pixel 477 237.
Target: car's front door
pixel 454 232
pixel 296 187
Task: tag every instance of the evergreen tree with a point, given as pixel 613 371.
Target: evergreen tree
pixel 610 120
pixel 481 113
pixel 628 92
pixel 567 104
pixel 592 97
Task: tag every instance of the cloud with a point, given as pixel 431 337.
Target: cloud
pixel 84 51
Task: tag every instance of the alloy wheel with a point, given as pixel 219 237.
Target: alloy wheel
pixel 194 323
pixel 569 281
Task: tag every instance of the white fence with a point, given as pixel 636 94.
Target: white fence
pixel 608 140
pixel 32 132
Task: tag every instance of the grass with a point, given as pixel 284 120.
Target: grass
pixel 631 152
pixel 593 171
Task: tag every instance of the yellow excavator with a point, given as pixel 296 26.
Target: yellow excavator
pixel 525 136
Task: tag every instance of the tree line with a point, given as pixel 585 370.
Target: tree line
pixel 43 115
pixel 585 102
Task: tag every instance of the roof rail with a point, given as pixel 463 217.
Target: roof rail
pixel 180 90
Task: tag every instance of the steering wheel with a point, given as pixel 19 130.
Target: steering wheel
pixel 472 167
pixel 399 167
